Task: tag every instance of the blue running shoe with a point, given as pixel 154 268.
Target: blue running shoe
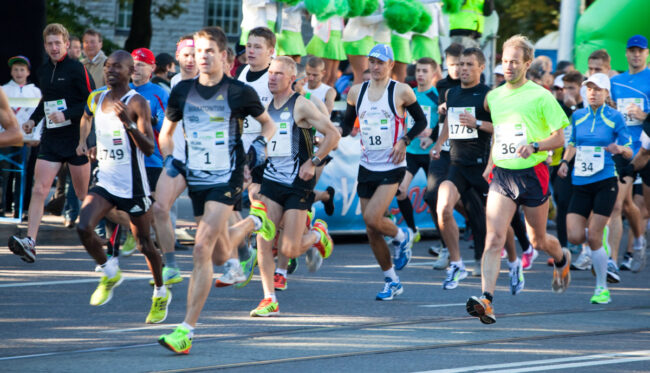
pixel 391 289
pixel 404 250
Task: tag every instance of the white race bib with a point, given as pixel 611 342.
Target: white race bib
pixel 376 133
pixel 568 130
pixel 589 160
pixel 52 107
pixel 456 130
pixel 111 147
pixel 445 145
pixel 280 144
pixel 507 139
pixel 623 103
pixel 251 125
pixel 208 151
pixel 427 113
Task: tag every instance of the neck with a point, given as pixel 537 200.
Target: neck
pixel 517 83
pixel 261 67
pixel 596 107
pixel 91 57
pixel 636 70
pixel 469 85
pixel 210 79
pixel 281 98
pixel 425 87
pixel 314 86
pixel 380 82
pixel 119 90
pixel 187 74
pixel 21 83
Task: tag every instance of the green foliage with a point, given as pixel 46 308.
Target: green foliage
pixel 400 15
pixel 452 6
pixel 532 18
pixel 174 8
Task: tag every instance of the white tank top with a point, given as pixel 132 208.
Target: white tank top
pixel 120 167
pixel 253 128
pixel 319 92
pixel 381 128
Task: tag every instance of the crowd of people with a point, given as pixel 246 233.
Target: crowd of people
pixel 250 130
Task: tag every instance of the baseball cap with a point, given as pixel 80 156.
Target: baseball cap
pixel 637 41
pixel 21 59
pixel 382 52
pixel 164 59
pixel 600 80
pixel 558 82
pixel 240 49
pixel 498 70
pixel 144 55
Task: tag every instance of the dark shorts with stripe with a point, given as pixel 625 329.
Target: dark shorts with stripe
pixel 290 198
pixel 136 206
pixel 528 187
pixel 598 197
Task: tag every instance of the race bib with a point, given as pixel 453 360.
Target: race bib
pixel 445 145
pixel 111 147
pixel 376 133
pixel 589 160
pixel 456 130
pixel 427 113
pixel 52 107
pixel 623 103
pixel 507 139
pixel 251 125
pixel 208 151
pixel 280 144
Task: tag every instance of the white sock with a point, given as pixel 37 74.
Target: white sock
pixel 110 268
pixel 272 296
pixel 233 262
pixel 514 264
pixel 458 264
pixel 599 263
pixel 317 235
pixel 256 221
pixel 189 327
pixel 400 236
pixel 638 242
pixel 159 291
pixel 281 271
pixel 529 250
pixel 391 274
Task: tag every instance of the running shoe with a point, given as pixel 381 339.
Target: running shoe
pixel 583 263
pixel 405 250
pixel 601 296
pixel 416 235
pixel 267 230
pixel 613 277
pixel 266 308
pixel 313 259
pixel 391 289
pixel 325 245
pixel 170 276
pixel 234 275
pixel 177 341
pixel 528 257
pixel 562 276
pixel 292 266
pixel 129 246
pixel 626 264
pixel 638 256
pixel 443 259
pixel 279 282
pixel 435 250
pixel 104 292
pixel 517 280
pixel 23 247
pixel 329 205
pixel 159 307
pixel 247 267
pixel 454 275
pixel 481 308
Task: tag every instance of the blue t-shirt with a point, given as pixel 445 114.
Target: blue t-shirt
pixel 157 98
pixel 625 87
pixel 599 128
pixel 428 100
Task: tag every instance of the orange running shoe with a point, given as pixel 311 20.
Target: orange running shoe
pixel 481 308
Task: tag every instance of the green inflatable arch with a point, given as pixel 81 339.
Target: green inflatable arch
pixel 607 24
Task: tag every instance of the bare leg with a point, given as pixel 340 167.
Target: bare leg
pixel 44 174
pixel 93 210
pixel 399 71
pixel 265 260
pixel 168 189
pixel 359 65
pixel 448 196
pixel 377 225
pixel 141 227
pixel 500 210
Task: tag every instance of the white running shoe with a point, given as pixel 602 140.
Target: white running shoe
pixel 443 259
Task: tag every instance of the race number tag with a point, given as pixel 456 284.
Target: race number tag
pixel 445 145
pixel 111 147
pixel 376 133
pixel 52 107
pixel 251 125
pixel 622 105
pixel 456 130
pixel 208 151
pixel 589 160
pixel 280 144
pixel 427 113
pixel 508 138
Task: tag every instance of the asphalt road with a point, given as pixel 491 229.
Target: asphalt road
pixel 329 320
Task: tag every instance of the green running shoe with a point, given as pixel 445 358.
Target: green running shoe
pixel 601 296
pixel 104 291
pixel 177 341
pixel 248 266
pixel 159 307
pixel 416 235
pixel 170 276
pixel 325 245
pixel 268 227
pixel 129 246
pixel 266 308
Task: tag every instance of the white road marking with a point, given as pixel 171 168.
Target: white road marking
pixel 441 305
pixel 62 282
pixel 159 326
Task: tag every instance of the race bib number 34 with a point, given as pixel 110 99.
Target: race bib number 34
pixel 456 130
pixel 589 160
pixel 507 139
pixel 208 151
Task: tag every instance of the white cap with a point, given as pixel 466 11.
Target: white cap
pixel 498 69
pixel 558 82
pixel 600 80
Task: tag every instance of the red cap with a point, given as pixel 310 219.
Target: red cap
pixel 144 55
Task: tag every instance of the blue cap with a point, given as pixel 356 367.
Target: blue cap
pixel 381 52
pixel 637 41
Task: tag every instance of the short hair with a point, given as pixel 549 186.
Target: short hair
pixel 214 33
pixel 521 42
pixel 480 57
pixel 56 29
pixel 288 62
pixel 264 32
pixel 454 50
pixel 536 70
pixel 600 54
pixel 185 37
pixel 563 65
pixel 316 62
pixel 573 77
pixel 428 61
pixel 74 38
pixel 230 55
pixel 92 32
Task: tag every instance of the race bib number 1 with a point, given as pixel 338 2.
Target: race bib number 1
pixel 456 130
pixel 208 151
pixel 508 138
pixel 623 103
pixel 589 160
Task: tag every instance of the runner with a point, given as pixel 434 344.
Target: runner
pixel 124 135
pixel 65 85
pixel 213 108
pixel 287 187
pixel 315 71
pixel 597 132
pixel 528 122
pixel 381 104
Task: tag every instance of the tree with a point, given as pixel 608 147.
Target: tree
pixel 140 33
pixel 532 18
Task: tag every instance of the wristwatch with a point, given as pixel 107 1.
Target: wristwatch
pixel 535 147
pixel 406 139
pixel 132 126
pixel 316 161
pixel 479 123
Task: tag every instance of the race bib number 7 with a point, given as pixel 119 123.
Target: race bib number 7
pixel 507 139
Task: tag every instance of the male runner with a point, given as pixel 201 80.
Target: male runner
pixel 65 85
pixel 287 187
pixel 213 108
pixel 381 104
pixel 315 70
pixel 124 136
pixel 528 121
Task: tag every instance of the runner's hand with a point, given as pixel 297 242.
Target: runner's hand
pixel 525 151
pixel 56 117
pixel 636 112
pixel 435 152
pixel 425 142
pixel 120 110
pixel 563 171
pixel 28 126
pixel 92 154
pixel 613 148
pixel 307 171
pixel 486 173
pixel 82 149
pixel 399 152
pixel 467 120
pixel 442 109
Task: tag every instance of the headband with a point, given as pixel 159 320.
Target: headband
pixel 184 43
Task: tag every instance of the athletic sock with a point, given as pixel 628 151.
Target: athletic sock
pixel 391 274
pixel 637 243
pixel 318 235
pixel 400 236
pixel 599 263
pixel 513 265
pixel 110 268
pixel 488 296
pixel 233 262
pixel 159 291
pixel 406 208
pixel 282 271
pixel 256 221
pixel 458 264
pixel 529 250
pixel 272 296
pixel 170 260
pixel 561 263
pixel 189 327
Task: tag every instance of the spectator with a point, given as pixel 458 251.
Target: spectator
pixel 94 57
pixel 75 48
pixel 165 69
pixel 564 67
pixel 498 75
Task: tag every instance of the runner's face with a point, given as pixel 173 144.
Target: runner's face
pixel 596 65
pixel 596 96
pixel 424 74
pixel 636 57
pixel 314 76
pixel 19 73
pixel 453 66
pixel 379 69
pixel 514 66
pixel 258 52
pixel 56 47
pixel 470 70
pixel 208 57
pixel 186 60
pixel 141 72
pixel 280 77
pixel 117 71
pixel 572 90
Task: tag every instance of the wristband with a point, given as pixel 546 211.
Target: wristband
pixel 479 123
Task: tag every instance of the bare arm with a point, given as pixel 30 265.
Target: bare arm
pixel 329 100
pixel 556 140
pixel 139 112
pixel 166 137
pixel 268 126
pixel 307 116
pixel 11 134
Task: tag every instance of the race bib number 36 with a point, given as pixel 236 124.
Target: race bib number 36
pixel 623 103
pixel 208 151
pixel 456 130
pixel 507 139
pixel 589 160
pixel 376 132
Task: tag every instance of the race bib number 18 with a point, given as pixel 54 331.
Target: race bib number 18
pixel 376 133
pixel 508 138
